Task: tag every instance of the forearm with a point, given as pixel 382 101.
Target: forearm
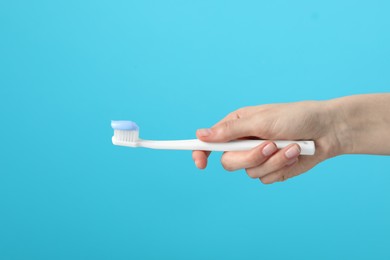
pixel 362 123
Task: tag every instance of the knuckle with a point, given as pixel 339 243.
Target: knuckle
pixel 279 177
pixel 252 173
pixel 224 129
pixel 266 180
pixel 255 157
pixel 234 115
pixel 239 112
pixel 282 178
pixel 226 164
pixel 228 125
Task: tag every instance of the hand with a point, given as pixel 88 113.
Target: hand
pixel 309 120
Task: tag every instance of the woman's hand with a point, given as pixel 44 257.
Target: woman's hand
pixel 356 124
pixel 294 121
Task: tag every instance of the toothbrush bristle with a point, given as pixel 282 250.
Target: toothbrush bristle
pixel 126 135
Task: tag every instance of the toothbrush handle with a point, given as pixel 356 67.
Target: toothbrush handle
pixel 307 147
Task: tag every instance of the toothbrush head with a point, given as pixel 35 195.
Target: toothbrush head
pixel 125 133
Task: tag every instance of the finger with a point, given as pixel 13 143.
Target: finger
pixel 304 164
pixel 200 158
pixel 279 175
pixel 228 130
pixel 233 161
pixel 284 157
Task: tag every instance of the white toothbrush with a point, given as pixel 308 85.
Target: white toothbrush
pixel 126 133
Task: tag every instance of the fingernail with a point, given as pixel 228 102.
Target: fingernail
pixel 291 162
pixel 269 149
pixel 204 132
pixel 293 152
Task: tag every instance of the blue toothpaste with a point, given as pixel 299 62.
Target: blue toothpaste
pixel 124 125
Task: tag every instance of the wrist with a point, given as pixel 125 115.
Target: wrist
pixel 361 123
pixel 340 127
pixel 333 138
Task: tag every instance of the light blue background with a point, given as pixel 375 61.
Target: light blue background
pixel 68 67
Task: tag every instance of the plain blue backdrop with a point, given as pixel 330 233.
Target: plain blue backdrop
pixel 68 67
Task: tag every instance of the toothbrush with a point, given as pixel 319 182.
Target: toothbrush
pixel 126 133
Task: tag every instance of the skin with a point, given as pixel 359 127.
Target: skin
pixel 349 125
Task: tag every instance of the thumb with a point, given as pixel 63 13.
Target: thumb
pixel 228 130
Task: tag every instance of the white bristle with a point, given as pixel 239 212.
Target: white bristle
pixel 126 136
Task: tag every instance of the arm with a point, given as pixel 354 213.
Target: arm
pixel 354 124
pixel 363 122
